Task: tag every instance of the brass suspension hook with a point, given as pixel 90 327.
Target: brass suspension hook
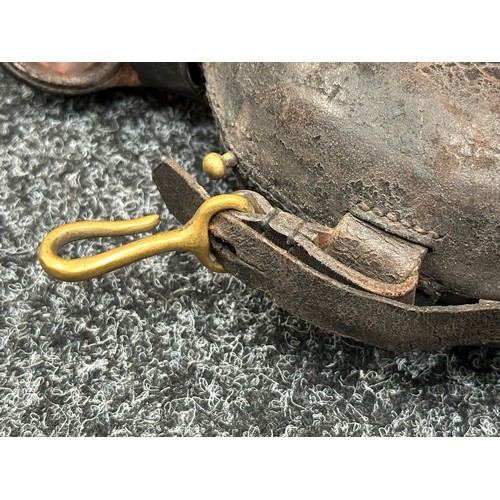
pixel 192 237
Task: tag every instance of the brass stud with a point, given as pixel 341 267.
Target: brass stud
pixel 215 165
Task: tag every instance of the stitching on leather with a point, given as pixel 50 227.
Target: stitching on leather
pixel 393 218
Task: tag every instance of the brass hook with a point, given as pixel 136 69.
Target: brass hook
pixel 192 237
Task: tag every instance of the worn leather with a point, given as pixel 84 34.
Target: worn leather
pixel 413 149
pixel 248 247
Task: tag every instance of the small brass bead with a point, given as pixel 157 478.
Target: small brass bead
pixel 215 165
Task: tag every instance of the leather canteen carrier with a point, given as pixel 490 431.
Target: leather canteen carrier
pixel 372 201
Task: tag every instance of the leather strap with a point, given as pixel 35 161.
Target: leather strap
pixel 276 259
pixel 179 77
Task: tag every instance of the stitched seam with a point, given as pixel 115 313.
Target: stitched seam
pixel 393 218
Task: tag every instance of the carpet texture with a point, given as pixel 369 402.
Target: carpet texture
pixel 165 347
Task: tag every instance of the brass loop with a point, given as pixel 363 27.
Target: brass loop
pixel 192 237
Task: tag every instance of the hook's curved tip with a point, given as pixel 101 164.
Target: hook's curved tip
pixel 87 267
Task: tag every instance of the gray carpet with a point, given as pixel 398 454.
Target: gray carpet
pixel 165 347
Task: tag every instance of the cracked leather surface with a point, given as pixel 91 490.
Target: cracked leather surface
pixel 411 148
